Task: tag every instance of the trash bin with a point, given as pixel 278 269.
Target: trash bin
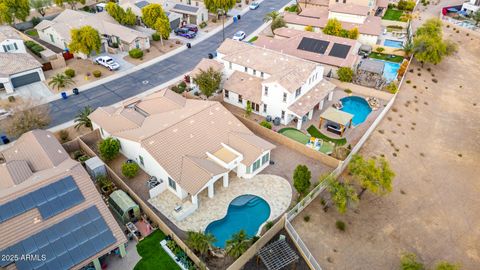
pixel 75 91
pixel 189 45
pixel 276 121
pixel 4 139
pixel 239 16
pixel 235 19
pixel 64 95
pixel 269 118
pixel 210 56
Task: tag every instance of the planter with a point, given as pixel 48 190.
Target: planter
pixel 163 243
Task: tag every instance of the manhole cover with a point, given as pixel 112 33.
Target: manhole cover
pixel 145 82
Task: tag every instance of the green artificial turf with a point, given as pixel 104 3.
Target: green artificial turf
pixel 392 14
pixel 386 57
pixel 32 32
pixel 295 134
pixel 253 39
pixel 153 255
pixel 312 130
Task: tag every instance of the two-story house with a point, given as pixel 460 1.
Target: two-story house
pixel 187 144
pixel 10 40
pixel 272 83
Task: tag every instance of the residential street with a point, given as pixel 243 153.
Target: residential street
pixel 156 74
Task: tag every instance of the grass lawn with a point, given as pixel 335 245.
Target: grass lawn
pixel 253 39
pixel 392 14
pixel 153 255
pixel 386 57
pixel 295 134
pixel 312 130
pixel 32 32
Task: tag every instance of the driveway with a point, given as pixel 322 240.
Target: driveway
pixel 35 91
pixel 124 65
pixel 127 86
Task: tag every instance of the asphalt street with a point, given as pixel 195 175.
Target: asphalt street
pixel 62 111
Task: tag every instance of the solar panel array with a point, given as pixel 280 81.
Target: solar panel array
pixel 339 50
pixel 142 4
pixel 313 45
pixel 185 8
pixel 50 200
pixel 64 244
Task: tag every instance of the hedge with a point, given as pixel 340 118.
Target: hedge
pixel 34 47
pixel 135 53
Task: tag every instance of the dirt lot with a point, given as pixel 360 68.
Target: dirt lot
pixel 432 139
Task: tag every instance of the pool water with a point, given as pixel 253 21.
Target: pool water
pixel 393 43
pixel 357 106
pixel 390 70
pixel 247 212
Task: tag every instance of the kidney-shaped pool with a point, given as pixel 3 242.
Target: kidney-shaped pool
pixel 246 212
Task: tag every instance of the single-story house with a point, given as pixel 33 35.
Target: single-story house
pixel 57 31
pixel 191 14
pixel 18 69
pixel 137 5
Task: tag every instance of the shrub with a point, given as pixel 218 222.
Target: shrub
pixel 301 179
pixel 203 25
pixel 340 225
pixel 34 47
pixel 380 49
pixel 97 73
pixel 269 225
pixel 408 5
pixel 391 88
pixel 182 85
pixel 130 170
pixel 11 99
pixel 409 262
pixel 214 19
pixel 306 218
pixel 309 28
pixel 83 158
pixel 70 72
pixel 155 36
pixel 345 74
pixel 64 136
pixel 135 53
pixel 35 21
pixel 77 154
pixel 266 124
pixel 348 91
pixel 109 148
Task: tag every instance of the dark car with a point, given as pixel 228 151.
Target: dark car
pixel 184 32
pixel 191 27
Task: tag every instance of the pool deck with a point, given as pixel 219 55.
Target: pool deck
pixel 275 190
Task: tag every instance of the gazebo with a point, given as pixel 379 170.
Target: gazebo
pixel 277 255
pixel 340 119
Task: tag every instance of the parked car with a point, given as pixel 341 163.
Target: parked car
pixel 184 32
pixel 254 5
pixel 107 62
pixel 240 35
pixel 191 27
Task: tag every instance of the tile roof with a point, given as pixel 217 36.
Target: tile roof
pixel 101 21
pixel 290 72
pixel 179 137
pixel 290 46
pixel 8 32
pixel 47 168
pixel 310 99
pixel 350 9
pixel 249 86
pixel 13 63
pixel 204 65
pixel 314 2
pixel 185 9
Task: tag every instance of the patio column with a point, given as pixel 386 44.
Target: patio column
pixel 195 200
pixel 320 107
pixel 96 264
pixel 122 250
pixel 211 190
pixel 310 115
pixel 225 180
pixel 330 96
pixel 299 123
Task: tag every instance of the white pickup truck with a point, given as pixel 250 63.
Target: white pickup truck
pixel 107 62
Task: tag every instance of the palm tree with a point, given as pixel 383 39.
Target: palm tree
pixel 60 81
pixel 407 46
pixel 82 119
pixel 238 244
pixel 200 242
pixel 275 17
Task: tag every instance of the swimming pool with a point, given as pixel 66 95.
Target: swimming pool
pixel 246 212
pixel 390 70
pixel 357 106
pixel 393 43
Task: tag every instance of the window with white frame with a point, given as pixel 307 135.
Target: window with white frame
pixel 172 183
pixel 256 165
pixel 10 47
pixel 226 93
pixel 141 160
pixel 261 74
pixel 265 91
pixel 283 115
pixel 265 158
pixel 230 65
pixel 298 92
pixel 254 72
pixel 265 108
pixel 240 99
pixel 246 69
pixel 284 97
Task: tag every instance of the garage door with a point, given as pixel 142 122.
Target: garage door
pixel 25 79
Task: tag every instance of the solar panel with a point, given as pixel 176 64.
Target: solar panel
pixel 186 8
pixel 313 45
pixel 68 250
pixel 339 50
pixel 142 4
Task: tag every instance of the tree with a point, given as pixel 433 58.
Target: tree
pixel 409 262
pixel 200 242
pixel 342 193
pixel 276 18
pixel 309 28
pixel 353 33
pixel 301 179
pixel 109 148
pixel 208 81
pixel 60 81
pixel 407 47
pixel 162 26
pixel 130 18
pixel 447 266
pixel 154 17
pixel 25 117
pixel 476 17
pixel 82 119
pixel 238 244
pixel 85 40
pixel 72 3
pixel 333 27
pixel 130 169
pixel 249 109
pixel 114 10
pixel 220 7
pixel 41 6
pixel 345 74
pixel 14 9
pixel 373 175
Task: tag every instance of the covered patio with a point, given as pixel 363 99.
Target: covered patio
pixel 337 121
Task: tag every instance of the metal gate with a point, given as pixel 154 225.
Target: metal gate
pixel 25 79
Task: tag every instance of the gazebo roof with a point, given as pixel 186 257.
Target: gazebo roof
pixel 277 255
pixel 337 116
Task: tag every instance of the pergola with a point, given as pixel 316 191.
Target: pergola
pixel 277 255
pixel 342 118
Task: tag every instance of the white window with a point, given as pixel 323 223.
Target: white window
pixel 240 99
pixel 230 65
pixel 226 93
pixel 265 91
pixel 141 160
pixel 265 158
pixel 298 92
pixel 284 97
pixel 254 72
pixel 283 115
pixel 172 183
pixel 246 69
pixel 10 47
pixel 256 165
pixel 265 108
pixel 261 74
